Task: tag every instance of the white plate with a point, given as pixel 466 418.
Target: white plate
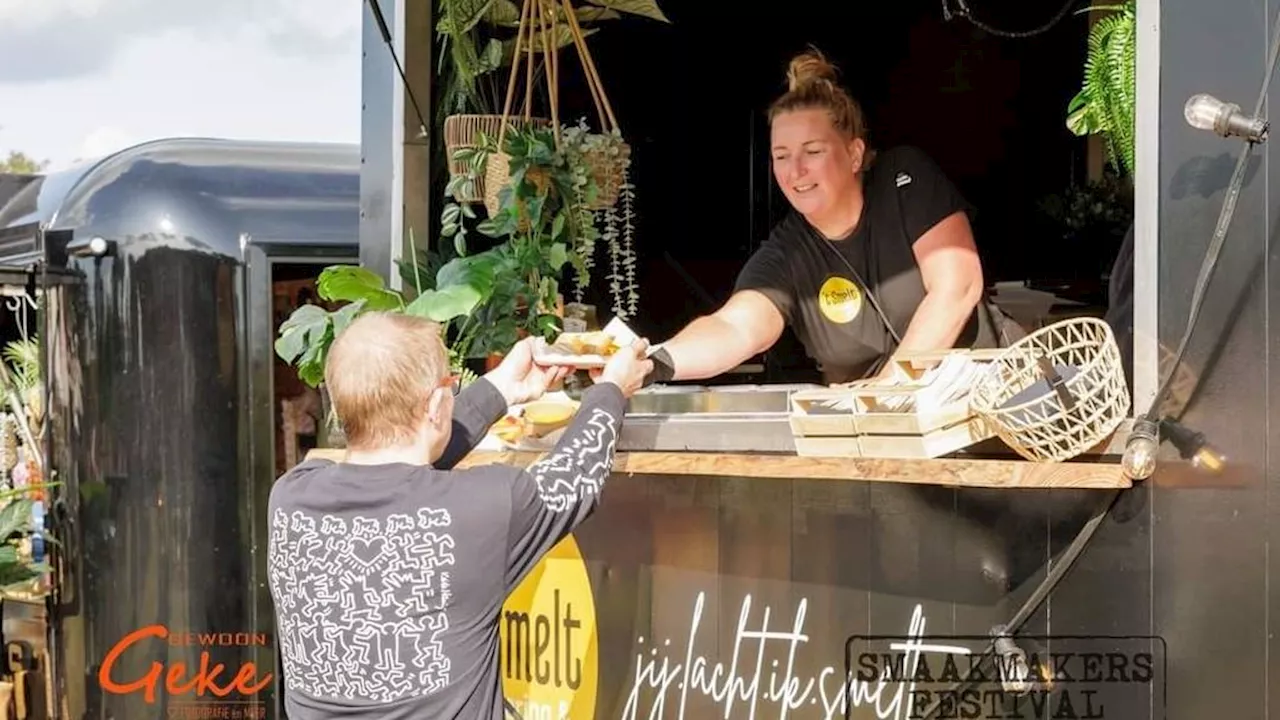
pixel 548 354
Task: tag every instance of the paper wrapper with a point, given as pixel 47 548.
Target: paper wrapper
pixel 561 352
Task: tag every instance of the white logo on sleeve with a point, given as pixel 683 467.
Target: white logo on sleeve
pixel 902 179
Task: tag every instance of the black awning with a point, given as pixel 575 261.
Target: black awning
pixel 36 275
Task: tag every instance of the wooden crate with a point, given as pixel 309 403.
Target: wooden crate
pixel 809 418
pixel 867 425
pixel 828 446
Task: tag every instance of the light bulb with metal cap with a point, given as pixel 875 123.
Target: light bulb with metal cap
pixel 1139 459
pixel 1015 673
pixel 1206 112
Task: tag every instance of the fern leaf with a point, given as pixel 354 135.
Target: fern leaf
pixel 1105 103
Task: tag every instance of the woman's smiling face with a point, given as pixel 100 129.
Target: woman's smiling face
pixel 816 167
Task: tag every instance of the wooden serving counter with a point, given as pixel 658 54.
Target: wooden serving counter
pixel 950 472
pixel 703 558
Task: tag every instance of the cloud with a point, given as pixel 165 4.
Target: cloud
pixel 60 39
pixel 271 70
pixel 104 140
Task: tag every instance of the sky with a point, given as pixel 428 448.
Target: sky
pixel 84 78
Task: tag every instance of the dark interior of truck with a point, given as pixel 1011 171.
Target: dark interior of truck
pixel 985 94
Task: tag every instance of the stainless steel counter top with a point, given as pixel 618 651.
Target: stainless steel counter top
pixel 730 419
pixel 727 418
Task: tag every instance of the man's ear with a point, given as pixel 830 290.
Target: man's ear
pixel 436 408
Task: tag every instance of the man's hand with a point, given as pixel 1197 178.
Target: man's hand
pixel 519 379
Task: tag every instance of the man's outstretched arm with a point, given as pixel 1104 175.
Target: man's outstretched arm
pixel 554 495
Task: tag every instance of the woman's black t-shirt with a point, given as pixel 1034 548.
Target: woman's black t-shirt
pixel 825 303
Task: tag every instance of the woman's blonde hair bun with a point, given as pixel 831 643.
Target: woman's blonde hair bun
pixel 809 67
pixel 812 84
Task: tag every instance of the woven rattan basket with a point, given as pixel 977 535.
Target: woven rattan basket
pixel 497 175
pixel 539 19
pixel 462 132
pixel 1057 392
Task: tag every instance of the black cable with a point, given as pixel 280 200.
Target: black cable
pixel 964 12
pixel 1033 603
pixel 391 50
pixel 1207 268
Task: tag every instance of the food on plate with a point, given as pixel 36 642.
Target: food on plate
pixel 588 343
pixel 548 413
pixel 510 429
pixel 534 421
pixel 546 417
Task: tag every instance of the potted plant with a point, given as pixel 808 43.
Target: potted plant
pixel 305 337
pixel 603 160
pixel 485 301
pixel 538 222
pixel 26 481
pixel 478 39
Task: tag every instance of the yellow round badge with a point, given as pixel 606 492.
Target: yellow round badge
pixel 839 299
pixel 548 639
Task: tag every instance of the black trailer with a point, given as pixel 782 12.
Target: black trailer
pixel 162 272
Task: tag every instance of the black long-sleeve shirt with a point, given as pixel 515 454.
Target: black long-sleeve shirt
pixel 388 580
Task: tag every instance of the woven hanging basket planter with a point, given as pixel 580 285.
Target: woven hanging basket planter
pixel 497 175
pixel 462 132
pixel 607 164
pixel 607 169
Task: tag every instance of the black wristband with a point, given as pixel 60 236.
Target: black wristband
pixel 663 368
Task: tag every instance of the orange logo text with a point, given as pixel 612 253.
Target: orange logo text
pixel 206 680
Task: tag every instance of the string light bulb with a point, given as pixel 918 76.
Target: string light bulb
pixel 1206 112
pixel 1139 459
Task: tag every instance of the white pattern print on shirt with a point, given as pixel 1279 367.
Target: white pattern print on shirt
pixel 362 612
pixel 579 469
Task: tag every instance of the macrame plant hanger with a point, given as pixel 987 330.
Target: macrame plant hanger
pixel 538 19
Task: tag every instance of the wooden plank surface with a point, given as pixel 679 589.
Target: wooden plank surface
pixel 950 472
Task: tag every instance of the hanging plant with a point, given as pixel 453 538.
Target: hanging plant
pixel 476 47
pixel 606 157
pixel 1105 103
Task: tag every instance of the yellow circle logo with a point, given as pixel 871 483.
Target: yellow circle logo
pixel 840 300
pixel 548 639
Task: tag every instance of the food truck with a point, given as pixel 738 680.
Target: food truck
pixel 161 272
pixel 727 573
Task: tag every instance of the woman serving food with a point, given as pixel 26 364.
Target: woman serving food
pixel 875 258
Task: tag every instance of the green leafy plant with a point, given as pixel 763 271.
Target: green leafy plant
pixel 1105 103
pixel 589 152
pixel 542 224
pixel 484 301
pixel 23 458
pixel 307 334
pixel 477 38
pixel 17 567
pixel 1102 208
